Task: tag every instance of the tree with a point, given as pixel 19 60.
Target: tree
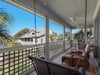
pixel 89 33
pixel 5 20
pixel 79 35
pixel 60 37
pixel 13 44
pixel 20 33
pixel 53 36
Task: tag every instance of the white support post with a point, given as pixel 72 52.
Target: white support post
pixel 71 34
pixel 64 38
pixel 85 37
pixel 71 38
pixel 47 39
pixel 95 37
pixel 98 37
pixel 85 27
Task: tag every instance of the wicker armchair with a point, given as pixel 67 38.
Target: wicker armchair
pixel 76 58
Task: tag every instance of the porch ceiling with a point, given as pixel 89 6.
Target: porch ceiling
pixel 66 12
pixel 73 11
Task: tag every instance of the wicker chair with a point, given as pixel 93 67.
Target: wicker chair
pixel 44 67
pixel 80 52
pixel 73 58
pixel 81 44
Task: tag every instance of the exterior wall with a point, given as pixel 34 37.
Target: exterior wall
pixel 33 41
pixel 97 37
pixel 24 42
pixel 96 18
pixel 40 40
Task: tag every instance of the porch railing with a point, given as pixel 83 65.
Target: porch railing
pixel 14 61
pixel 57 47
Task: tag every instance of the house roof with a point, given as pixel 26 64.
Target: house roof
pixel 32 34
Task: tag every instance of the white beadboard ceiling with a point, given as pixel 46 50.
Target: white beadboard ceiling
pixel 70 12
pixel 73 11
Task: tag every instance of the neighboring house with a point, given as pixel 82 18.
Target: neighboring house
pixel 29 38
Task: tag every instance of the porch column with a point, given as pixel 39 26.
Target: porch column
pixel 98 36
pixel 71 34
pixel 95 36
pixel 85 27
pixel 47 39
pixel 85 37
pixel 64 38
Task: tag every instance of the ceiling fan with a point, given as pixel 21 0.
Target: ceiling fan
pixel 73 19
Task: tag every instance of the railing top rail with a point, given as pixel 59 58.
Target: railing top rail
pixel 23 47
pixel 18 48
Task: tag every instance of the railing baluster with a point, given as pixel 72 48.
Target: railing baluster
pixel 33 51
pixel 14 62
pixel 30 54
pixel 22 60
pixel 3 63
pixel 27 59
pixel 18 63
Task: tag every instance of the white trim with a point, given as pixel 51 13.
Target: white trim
pixel 64 38
pixel 47 39
pixel 96 10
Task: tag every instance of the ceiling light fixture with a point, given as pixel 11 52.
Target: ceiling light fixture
pixel 75 19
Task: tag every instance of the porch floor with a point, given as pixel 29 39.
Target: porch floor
pixel 92 70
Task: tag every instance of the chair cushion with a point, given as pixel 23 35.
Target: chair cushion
pixel 86 48
pixel 75 60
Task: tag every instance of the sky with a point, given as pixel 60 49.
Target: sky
pixel 24 19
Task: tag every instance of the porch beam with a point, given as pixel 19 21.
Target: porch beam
pixel 96 12
pixel 47 39
pixel 41 10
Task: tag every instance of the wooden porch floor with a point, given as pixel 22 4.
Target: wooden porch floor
pixel 92 70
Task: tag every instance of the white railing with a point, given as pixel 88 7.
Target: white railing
pixel 14 61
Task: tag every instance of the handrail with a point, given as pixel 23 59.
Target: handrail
pixel 21 47
pixel 17 48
